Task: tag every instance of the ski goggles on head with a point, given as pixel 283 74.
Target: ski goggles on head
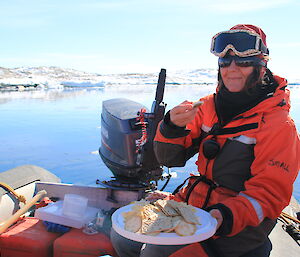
pixel 242 42
pixel 240 61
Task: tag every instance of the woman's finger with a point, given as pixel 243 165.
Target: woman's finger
pixel 182 116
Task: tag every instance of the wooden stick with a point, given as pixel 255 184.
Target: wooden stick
pixel 284 219
pixel 290 217
pixel 24 209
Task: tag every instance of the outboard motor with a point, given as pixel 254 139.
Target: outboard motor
pixel 127 133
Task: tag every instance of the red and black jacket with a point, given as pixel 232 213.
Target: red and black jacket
pixel 251 177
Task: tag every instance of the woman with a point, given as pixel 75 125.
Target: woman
pixel 248 151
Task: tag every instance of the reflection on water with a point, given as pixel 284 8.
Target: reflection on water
pixel 59 130
pixel 42 94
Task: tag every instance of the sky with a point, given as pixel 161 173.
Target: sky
pixel 139 36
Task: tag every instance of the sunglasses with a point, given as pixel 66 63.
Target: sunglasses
pixel 240 61
pixel 242 42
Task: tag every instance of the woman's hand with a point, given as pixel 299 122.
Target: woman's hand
pixel 183 114
pixel 156 195
pixel 218 216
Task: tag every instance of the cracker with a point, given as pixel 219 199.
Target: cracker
pixel 160 224
pixel 133 224
pixel 188 215
pixel 167 209
pixel 186 211
pixel 185 229
pixel 162 216
pixel 175 221
pixel 129 214
pixel 150 211
pixel 138 205
pixel 198 103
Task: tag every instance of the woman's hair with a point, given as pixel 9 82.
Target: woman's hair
pixel 253 79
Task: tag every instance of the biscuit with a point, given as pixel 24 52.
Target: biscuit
pixel 133 223
pixel 186 211
pixel 160 224
pixel 185 229
pixel 167 209
pixel 198 103
pixel 162 216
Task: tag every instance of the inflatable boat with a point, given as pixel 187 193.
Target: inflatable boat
pixel 29 236
pixel 40 216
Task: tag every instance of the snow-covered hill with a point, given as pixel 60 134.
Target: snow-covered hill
pixel 55 77
pixel 52 77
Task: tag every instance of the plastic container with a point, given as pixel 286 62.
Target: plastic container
pixel 74 205
pixel 54 213
pixel 76 243
pixel 27 238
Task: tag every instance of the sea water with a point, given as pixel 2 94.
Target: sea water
pixel 59 130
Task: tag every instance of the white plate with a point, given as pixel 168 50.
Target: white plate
pixel 204 231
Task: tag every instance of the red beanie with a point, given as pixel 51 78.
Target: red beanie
pixel 256 30
pixel 252 28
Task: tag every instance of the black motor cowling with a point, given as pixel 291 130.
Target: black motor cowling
pixel 121 131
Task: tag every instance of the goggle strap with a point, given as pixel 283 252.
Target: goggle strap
pixel 263 47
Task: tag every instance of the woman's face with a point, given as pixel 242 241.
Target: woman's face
pixel 234 77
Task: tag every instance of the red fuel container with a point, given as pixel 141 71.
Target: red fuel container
pixel 27 238
pixel 75 243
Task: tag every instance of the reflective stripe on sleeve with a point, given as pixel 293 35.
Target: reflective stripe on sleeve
pixel 257 207
pixel 205 128
pixel 245 139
